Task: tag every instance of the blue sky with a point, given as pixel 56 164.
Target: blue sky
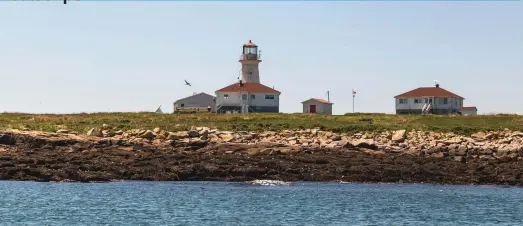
pixel 134 56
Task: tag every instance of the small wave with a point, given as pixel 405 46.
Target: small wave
pixel 269 183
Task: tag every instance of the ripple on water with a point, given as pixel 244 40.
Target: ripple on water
pixel 219 203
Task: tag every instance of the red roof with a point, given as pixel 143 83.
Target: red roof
pixel 319 100
pixel 468 108
pixel 250 44
pixel 428 92
pixel 248 87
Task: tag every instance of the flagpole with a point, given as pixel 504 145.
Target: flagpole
pixel 353 102
pixel 353 96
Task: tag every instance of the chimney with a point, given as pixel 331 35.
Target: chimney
pixel 241 83
pixel 437 85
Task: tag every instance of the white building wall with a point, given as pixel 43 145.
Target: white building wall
pixel 437 103
pixel 321 108
pixel 201 100
pixel 469 112
pixel 250 71
pixel 234 99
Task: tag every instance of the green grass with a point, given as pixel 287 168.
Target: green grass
pixel 257 122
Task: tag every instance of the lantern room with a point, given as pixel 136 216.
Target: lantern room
pixel 250 51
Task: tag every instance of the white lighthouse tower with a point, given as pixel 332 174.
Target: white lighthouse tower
pixel 248 94
pixel 250 59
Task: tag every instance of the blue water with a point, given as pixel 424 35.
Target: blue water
pixel 206 203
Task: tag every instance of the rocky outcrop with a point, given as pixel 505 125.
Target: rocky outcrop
pixel 305 155
pixel 485 145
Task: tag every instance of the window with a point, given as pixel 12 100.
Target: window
pixel 403 101
pixel 226 96
pixel 244 96
pixel 269 97
pixel 253 96
pixel 417 101
pixel 182 105
pixel 445 100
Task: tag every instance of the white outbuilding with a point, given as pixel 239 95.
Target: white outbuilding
pixel 317 106
pixel 468 110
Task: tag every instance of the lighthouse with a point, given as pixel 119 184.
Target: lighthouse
pixel 250 59
pixel 248 95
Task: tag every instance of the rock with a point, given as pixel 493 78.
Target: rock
pixel 399 136
pixel 450 141
pixel 227 137
pixel 105 126
pixel 147 134
pixel 462 150
pixel 438 155
pixel 289 150
pixel 157 141
pixel 7 139
pixel 479 135
pixel 94 132
pixel 364 143
pixel 520 151
pixel 335 137
pixel 107 133
pixel 156 130
pixel 194 133
pixel 119 132
pixel 63 131
pixel 459 159
pixel 171 136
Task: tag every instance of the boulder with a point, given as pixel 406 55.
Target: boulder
pixel 7 139
pixel 95 132
pixel 462 150
pixel 147 134
pixel 227 137
pixel 399 136
pixel 156 130
pixel 364 143
pixel 459 159
pixel 479 135
pixel 194 133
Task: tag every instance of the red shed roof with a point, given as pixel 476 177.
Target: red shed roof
pixel 319 100
pixel 250 44
pixel 428 92
pixel 248 87
pixel 468 108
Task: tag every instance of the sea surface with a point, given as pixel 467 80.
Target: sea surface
pixel 221 203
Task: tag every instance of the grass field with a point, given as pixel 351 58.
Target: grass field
pixel 257 122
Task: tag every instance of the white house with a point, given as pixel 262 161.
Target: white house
pixel 248 95
pixel 196 102
pixel 469 110
pixel 317 106
pixel 434 100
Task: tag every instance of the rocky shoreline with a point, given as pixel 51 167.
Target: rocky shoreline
pixel 106 154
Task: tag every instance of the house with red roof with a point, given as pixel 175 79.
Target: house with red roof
pixel 248 95
pixel 317 106
pixel 429 100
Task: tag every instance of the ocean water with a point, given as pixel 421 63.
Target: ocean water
pixel 220 203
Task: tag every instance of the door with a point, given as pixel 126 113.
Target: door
pixel 312 108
